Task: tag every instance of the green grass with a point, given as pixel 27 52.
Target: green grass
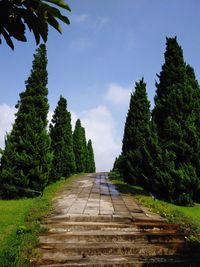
pixel 20 223
pixel 12 215
pixel 187 217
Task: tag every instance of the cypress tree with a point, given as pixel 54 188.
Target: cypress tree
pixel 26 159
pixel 85 152
pixel 117 166
pixel 175 115
pixel 157 166
pixel 91 167
pixel 196 155
pixel 79 147
pixel 136 129
pixel 63 164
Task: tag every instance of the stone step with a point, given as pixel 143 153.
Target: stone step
pixel 127 248
pixel 111 236
pixel 146 226
pixel 121 261
pixel 91 218
pixel 61 230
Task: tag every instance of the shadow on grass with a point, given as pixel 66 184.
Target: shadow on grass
pixel 129 189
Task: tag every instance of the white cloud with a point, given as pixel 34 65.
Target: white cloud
pixel 79 18
pixel 91 22
pixel 100 128
pixel 74 118
pixel 104 20
pixel 49 117
pixel 80 44
pixel 100 22
pixel 118 95
pixel 6 120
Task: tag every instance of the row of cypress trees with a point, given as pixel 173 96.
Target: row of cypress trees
pixel 72 153
pixel 161 149
pixel 35 156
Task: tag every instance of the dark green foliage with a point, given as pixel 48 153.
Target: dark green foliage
pixel 91 161
pixel 157 165
pixel 26 160
pixel 176 115
pixel 37 15
pixel 85 152
pixel 193 82
pixel 63 164
pixel 136 129
pixel 79 147
pixel 117 166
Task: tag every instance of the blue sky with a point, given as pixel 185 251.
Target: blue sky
pixel 109 45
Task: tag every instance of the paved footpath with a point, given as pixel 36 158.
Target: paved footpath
pixel 95 195
pixel 92 224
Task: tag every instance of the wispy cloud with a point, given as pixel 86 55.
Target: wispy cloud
pixel 80 44
pixel 100 22
pixel 79 18
pixel 118 95
pixel 97 22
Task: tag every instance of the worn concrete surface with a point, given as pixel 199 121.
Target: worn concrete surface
pixel 95 195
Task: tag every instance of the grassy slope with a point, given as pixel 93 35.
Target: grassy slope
pixel 187 217
pixel 20 223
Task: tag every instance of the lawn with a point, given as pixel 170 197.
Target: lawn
pixel 12 216
pixel 20 223
pixel 191 212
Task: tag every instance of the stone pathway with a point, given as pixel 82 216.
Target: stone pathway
pixel 94 225
pixel 95 195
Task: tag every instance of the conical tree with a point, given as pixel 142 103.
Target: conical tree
pixel 117 166
pixel 91 161
pixel 63 164
pixel 26 160
pixel 79 147
pixel 85 152
pixel 176 120
pixel 136 129
pixel 196 155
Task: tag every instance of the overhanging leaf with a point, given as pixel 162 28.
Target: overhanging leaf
pixel 55 13
pixel 32 21
pixel 53 22
pixel 8 39
pixel 59 3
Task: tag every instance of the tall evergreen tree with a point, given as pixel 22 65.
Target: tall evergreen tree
pixel 194 83
pixel 63 164
pixel 91 161
pixel 26 160
pixel 135 132
pixel 79 147
pixel 175 115
pixel 85 152
pixel 117 166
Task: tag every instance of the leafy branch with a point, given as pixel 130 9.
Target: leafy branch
pixel 37 15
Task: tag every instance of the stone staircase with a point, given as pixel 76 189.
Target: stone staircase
pixel 92 224
pixel 104 241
